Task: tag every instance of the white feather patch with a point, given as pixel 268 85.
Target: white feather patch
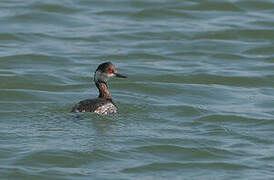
pixel 100 76
pixel 106 109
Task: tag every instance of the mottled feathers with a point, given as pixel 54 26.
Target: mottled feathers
pixel 100 106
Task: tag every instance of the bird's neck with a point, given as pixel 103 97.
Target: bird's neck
pixel 103 90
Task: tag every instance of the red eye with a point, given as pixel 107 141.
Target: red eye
pixel 110 71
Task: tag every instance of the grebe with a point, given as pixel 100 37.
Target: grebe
pixel 104 103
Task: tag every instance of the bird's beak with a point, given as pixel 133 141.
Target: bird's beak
pixel 119 75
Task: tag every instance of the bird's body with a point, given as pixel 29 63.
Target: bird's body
pixel 99 106
pixel 104 103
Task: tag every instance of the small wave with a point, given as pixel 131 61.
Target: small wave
pixel 174 166
pixel 56 8
pixel 231 119
pixel 62 158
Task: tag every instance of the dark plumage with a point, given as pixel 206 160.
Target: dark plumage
pixel 104 103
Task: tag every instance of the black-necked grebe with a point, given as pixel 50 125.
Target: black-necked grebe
pixel 104 103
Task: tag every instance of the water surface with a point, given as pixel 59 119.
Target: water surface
pixel 198 103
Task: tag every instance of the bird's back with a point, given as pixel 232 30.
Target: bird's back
pixel 99 106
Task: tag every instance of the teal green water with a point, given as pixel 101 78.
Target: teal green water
pixel 198 103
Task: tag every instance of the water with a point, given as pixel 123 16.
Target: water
pixel 198 103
